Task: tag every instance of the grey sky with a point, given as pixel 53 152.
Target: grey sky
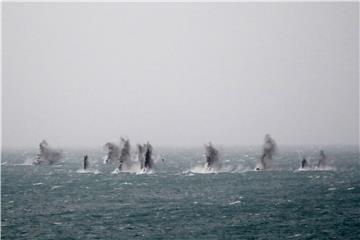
pixel 81 74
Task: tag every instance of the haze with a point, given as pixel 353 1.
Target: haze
pixel 180 74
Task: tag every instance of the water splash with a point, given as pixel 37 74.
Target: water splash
pixel 322 160
pixel 113 152
pixel 212 158
pixel 125 154
pixel 141 154
pixel 269 150
pixel 322 164
pixel 149 161
pixel 47 155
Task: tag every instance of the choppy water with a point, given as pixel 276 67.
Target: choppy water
pixel 61 202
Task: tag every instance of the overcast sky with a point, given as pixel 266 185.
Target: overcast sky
pixel 80 74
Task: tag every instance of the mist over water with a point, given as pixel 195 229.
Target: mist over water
pixel 235 201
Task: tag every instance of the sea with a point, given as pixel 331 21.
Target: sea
pixel 180 199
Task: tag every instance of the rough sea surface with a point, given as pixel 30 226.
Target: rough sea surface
pixel 179 200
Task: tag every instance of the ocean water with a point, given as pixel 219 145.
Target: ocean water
pixel 178 200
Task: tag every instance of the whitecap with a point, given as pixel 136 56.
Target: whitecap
pixel 328 168
pixel 142 184
pixel 145 171
pixel 88 171
pixel 202 170
pixel 126 183
pixel 27 162
pixel 304 169
pixel 116 171
pixel 36 184
pixel 133 168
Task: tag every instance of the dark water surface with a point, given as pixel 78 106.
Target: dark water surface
pixel 60 202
